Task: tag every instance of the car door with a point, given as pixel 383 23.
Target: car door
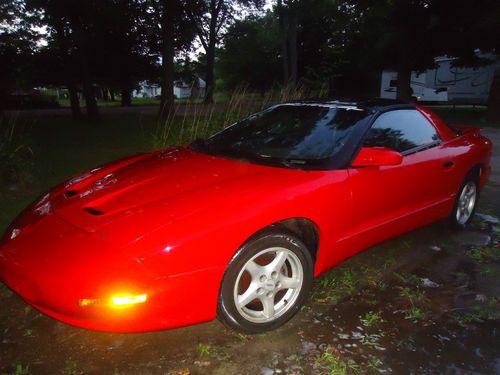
pixel 389 200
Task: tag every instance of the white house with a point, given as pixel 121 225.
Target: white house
pixel 147 90
pixel 195 90
pixel 182 89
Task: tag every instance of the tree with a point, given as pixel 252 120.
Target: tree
pixel 210 18
pixel 329 53
pixel 168 53
pixel 283 41
pixel 287 15
pixel 122 55
pixel 250 54
pixel 17 47
pixel 67 23
pixel 410 34
pixel 95 44
pixel 170 32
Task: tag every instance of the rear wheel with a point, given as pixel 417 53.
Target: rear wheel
pixel 466 203
pixel 266 283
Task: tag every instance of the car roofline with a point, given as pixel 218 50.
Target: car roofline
pixel 372 105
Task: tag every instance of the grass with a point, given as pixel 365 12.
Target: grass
pixel 484 254
pixel 371 319
pixel 206 350
pixel 362 279
pixel 331 362
pixel 336 285
pixel 212 351
pixel 407 279
pixel 374 365
pixel 4 291
pixel 374 277
pixel 28 333
pixel 65 103
pixel 471 115
pixel 15 153
pixel 51 148
pixel 490 310
pixel 416 299
pixel 19 369
pixel 71 368
pixel 488 271
pixel 334 364
pixel 63 147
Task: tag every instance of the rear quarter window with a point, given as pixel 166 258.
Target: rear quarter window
pixel 403 130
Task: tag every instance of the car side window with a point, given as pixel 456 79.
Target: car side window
pixel 403 130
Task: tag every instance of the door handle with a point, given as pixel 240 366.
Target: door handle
pixel 448 164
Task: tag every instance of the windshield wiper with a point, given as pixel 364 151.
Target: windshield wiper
pixel 293 163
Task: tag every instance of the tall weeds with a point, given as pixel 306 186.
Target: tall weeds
pixel 190 120
pixel 15 156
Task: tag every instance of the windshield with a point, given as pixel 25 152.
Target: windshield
pixel 290 132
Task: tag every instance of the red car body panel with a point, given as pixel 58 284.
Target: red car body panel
pixel 167 224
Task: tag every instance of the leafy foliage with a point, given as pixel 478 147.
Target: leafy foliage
pixel 239 66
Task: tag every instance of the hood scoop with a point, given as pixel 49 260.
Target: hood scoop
pixel 93 211
pixel 70 193
pixel 161 179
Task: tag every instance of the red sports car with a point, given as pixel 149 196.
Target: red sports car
pixel 238 225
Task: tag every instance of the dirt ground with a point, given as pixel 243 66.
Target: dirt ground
pixel 425 303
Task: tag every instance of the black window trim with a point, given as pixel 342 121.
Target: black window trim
pixel 407 152
pixel 341 162
pixel 422 147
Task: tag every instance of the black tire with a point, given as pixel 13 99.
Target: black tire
pixel 262 256
pixel 458 221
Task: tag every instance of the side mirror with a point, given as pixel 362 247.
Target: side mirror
pixel 377 157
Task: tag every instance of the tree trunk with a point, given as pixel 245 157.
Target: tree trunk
pixel 292 46
pixel 212 42
pixel 126 97
pixel 210 78
pixel 404 88
pixel 74 100
pixel 83 54
pixel 404 72
pixel 168 52
pixel 112 94
pixel 493 113
pixel 283 40
pixel 105 94
pixel 62 42
pixel 89 95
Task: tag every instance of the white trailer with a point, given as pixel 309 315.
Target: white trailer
pixel 445 83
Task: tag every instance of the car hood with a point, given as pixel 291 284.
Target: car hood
pixel 105 194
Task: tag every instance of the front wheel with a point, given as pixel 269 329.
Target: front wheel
pixel 465 205
pixel 266 283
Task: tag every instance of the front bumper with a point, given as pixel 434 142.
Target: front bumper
pixel 52 265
